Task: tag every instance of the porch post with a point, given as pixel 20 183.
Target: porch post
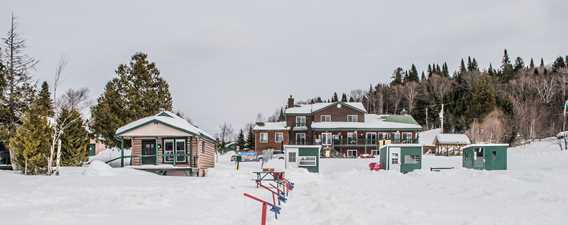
pixel 122 152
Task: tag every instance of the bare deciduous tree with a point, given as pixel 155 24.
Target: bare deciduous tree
pixel 410 93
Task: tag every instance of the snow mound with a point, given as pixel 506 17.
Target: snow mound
pixel 112 157
pixel 227 156
pixel 98 168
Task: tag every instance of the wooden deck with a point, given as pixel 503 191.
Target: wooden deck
pixel 168 170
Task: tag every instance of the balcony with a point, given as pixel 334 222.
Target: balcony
pixel 363 142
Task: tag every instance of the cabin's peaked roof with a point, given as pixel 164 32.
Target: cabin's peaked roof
pixel 168 118
pixel 311 108
pixel 456 139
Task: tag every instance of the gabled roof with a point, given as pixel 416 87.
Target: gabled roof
pixel 456 139
pixel 311 108
pixel 372 121
pixel 270 126
pixel 427 137
pixel 167 118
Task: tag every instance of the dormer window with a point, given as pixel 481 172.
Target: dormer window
pixel 325 118
pixel 352 118
pixel 300 121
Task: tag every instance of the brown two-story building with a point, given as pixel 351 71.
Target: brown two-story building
pixel 344 129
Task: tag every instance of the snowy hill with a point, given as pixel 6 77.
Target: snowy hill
pixel 532 191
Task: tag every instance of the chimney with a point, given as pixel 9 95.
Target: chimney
pixel 290 102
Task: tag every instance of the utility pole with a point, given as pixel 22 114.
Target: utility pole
pixel 427 127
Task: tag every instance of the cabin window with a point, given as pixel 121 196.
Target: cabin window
pixel 351 138
pixel 180 150
pixel 493 155
pixel 264 137
pixel 203 147
pixel 352 153
pixel 374 152
pixel 372 138
pixel 326 138
pixel 300 121
pixel 352 118
pixel 325 118
pixel 279 137
pixel 397 135
pixel 300 138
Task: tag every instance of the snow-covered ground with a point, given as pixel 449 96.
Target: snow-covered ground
pixel 533 191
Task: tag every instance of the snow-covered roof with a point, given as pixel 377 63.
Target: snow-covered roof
pixel 401 145
pixel 373 121
pixel 167 118
pixel 458 139
pixel 427 137
pixel 483 145
pixel 270 126
pixel 310 108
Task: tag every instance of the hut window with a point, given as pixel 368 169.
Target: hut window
pixel 478 153
pixel 493 155
pixel 411 159
pixel 203 147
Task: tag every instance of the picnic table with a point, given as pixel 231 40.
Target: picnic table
pixel 268 176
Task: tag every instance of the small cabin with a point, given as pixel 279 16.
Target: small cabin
pixel 401 157
pixel 303 156
pixel 485 156
pixel 166 143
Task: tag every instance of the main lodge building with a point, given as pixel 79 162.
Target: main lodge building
pixel 343 129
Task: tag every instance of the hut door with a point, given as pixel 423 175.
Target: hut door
pixel 395 159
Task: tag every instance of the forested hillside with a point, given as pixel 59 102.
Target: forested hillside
pixel 513 101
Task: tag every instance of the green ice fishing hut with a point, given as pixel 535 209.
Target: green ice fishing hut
pixel 485 156
pixel 401 157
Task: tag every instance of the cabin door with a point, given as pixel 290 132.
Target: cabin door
pixel 148 152
pixel 395 159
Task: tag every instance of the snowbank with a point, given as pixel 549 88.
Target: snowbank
pixel 112 156
pixel 98 168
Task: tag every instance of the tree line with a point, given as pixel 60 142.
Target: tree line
pixel 513 102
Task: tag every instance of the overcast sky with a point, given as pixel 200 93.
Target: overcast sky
pixel 229 60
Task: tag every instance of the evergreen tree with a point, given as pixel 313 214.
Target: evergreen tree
pixel 137 92
pixel 463 68
pixel 344 97
pixel 519 65
pixel 351 99
pixel 281 117
pixel 558 63
pixel 429 70
pixel 474 65
pixel 44 99
pixel 423 76
pixel 397 76
pixel 241 140
pixel 483 97
pixel 469 64
pixel 491 71
pixel 32 141
pixel 506 67
pixel 445 70
pixel 334 98
pixel 541 62
pixel 532 63
pixel 250 138
pixel 413 74
pixel 74 138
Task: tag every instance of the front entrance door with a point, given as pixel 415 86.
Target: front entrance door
pixel 395 159
pixel 148 152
